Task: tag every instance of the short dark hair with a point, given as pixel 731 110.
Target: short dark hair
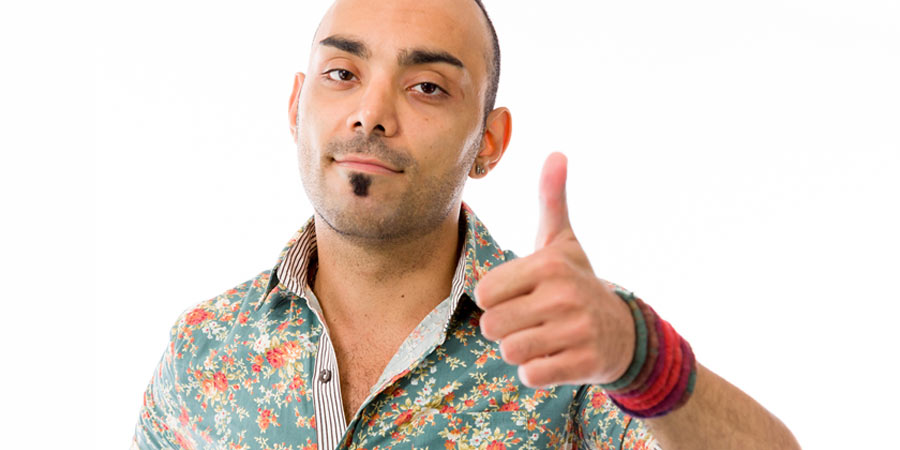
pixel 494 66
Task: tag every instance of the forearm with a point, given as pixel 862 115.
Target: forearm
pixel 720 416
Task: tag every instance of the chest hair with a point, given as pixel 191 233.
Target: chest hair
pixel 360 365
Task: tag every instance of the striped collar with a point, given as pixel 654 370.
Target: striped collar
pixel 480 254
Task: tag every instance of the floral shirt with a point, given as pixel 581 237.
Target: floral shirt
pixel 254 369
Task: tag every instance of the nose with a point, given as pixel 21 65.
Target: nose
pixel 376 112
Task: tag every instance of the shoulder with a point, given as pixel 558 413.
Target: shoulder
pixel 210 321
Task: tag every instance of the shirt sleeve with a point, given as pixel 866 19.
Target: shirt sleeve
pixel 599 424
pixel 161 413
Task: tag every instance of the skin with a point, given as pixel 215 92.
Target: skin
pixel 396 248
pixel 387 257
pixel 562 325
pixel 380 108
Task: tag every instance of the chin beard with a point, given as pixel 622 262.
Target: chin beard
pixel 360 183
pixel 360 216
pixel 419 210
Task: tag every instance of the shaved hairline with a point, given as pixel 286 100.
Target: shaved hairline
pixel 490 96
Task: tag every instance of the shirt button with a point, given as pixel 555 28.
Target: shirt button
pixel 325 375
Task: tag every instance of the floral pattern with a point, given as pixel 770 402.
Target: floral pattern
pixel 238 375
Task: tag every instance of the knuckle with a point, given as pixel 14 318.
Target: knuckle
pixel 531 377
pixel 507 351
pixel 566 302
pixel 487 325
pixel 553 264
pixel 586 360
pixel 514 351
pixel 482 293
pixel 573 333
pixel 544 309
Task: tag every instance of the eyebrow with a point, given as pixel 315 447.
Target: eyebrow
pixel 407 57
pixel 352 46
pixel 417 56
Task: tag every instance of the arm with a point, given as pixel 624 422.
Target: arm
pixel 162 418
pixel 562 325
pixel 720 416
pixel 155 428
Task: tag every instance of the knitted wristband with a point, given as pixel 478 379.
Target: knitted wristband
pixel 663 371
pixel 666 336
pixel 640 346
pixel 677 395
pixel 690 387
pixel 654 331
pixel 664 383
pixel 648 404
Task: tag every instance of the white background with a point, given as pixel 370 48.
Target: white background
pixel 735 164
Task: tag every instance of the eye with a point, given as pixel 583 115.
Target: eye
pixel 340 75
pixel 429 89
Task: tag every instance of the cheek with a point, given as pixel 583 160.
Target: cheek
pixel 311 135
pixel 315 114
pixel 445 150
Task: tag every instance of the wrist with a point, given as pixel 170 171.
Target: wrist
pixel 662 372
pixel 632 343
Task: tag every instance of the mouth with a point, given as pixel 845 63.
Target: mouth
pixel 370 165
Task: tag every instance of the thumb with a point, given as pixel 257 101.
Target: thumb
pixel 554 212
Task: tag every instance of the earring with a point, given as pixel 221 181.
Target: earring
pixel 479 170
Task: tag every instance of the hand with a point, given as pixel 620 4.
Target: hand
pixel 553 317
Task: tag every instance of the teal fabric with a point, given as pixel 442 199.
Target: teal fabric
pixel 239 369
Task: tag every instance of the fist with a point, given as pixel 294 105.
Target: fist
pixel 552 316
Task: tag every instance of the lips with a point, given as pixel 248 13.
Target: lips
pixel 366 164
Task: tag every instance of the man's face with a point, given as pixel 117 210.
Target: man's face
pixel 400 83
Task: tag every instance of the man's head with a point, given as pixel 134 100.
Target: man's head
pixel 406 84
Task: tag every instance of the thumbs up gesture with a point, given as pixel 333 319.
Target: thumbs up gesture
pixel 553 317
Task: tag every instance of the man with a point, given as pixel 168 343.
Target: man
pixel 393 319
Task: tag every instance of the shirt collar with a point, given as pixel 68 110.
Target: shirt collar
pixel 480 253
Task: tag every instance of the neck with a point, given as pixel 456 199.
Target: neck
pixel 397 281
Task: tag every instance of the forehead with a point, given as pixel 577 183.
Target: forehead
pixel 391 26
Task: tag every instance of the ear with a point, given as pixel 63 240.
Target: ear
pixel 295 102
pixel 497 131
